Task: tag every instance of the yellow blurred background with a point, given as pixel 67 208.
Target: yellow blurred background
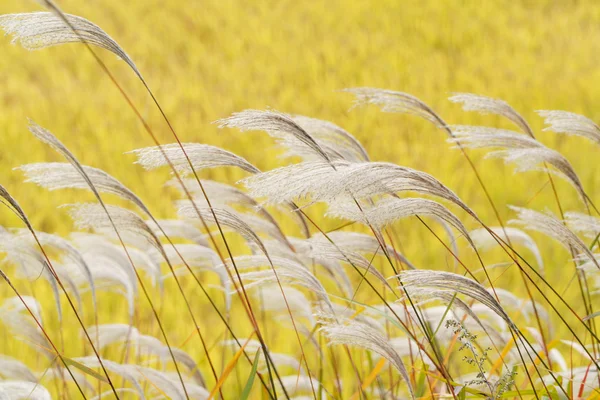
pixel 206 59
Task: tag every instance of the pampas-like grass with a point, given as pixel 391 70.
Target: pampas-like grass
pixel 202 156
pixel 571 124
pixel 448 281
pixel 23 390
pixel 335 141
pixel 484 240
pixel 525 152
pixel 280 126
pixel 353 333
pixel 385 212
pixel 39 30
pixel 551 227
pixel 395 102
pixel 488 105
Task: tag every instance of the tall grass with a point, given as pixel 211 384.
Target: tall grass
pixel 252 292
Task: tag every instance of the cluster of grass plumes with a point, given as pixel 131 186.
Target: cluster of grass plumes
pixel 357 317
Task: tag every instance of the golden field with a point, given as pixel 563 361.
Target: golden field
pixel 205 60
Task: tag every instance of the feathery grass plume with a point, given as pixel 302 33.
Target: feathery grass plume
pixel 128 335
pixel 225 218
pixel 288 271
pixel 436 280
pixel 54 176
pixel 13 369
pixel 70 252
pixel 273 301
pixel 16 390
pixel 278 125
pixel 201 155
pixel 571 124
pixel 335 141
pixel 123 371
pixel 31 263
pixel 303 254
pixel 583 223
pixel 488 105
pixel 75 376
pixel 319 182
pixel 395 102
pixel 324 250
pixel 386 211
pixel 485 241
pixel 23 329
pixel 176 228
pixel 39 30
pixel 359 243
pixel 527 153
pixel 24 303
pixel 354 333
pixel 93 216
pixel 449 297
pixel 552 227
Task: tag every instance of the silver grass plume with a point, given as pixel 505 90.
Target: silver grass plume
pixel 201 155
pixel 225 218
pixel 93 216
pixel 583 223
pixel 23 329
pixel 278 125
pixel 488 105
pixel 108 334
pixel 571 124
pixel 335 141
pixel 39 30
pixel 421 294
pixel 176 228
pixel 272 300
pixel 359 243
pixel 13 369
pixel 31 262
pixel 526 152
pixel 325 250
pixel 54 176
pixel 395 102
pixel 484 240
pixel 354 333
pixel 319 182
pixel 436 280
pixel 15 390
pixel 552 227
pixel 70 252
pixel 385 212
pixel 123 371
pixel 288 271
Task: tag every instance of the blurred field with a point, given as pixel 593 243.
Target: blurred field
pixel 207 59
